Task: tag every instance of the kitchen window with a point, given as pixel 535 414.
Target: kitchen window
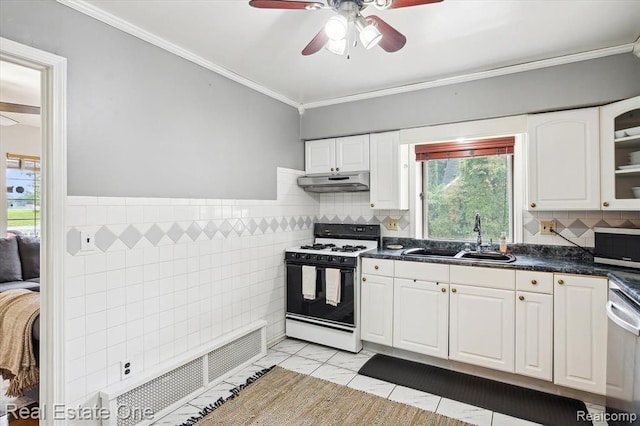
pixel 461 178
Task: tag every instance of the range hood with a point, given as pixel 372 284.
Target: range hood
pixel 344 182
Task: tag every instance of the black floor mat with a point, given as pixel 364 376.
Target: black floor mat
pixel 511 400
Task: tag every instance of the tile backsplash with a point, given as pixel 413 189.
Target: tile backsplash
pixel 577 226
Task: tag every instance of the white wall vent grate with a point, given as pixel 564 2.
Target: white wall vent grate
pixel 169 386
pixel 229 356
pixel 161 392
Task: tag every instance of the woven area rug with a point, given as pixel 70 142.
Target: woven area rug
pixel 283 397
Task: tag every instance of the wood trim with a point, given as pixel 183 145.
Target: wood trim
pixel 467 148
pixel 19 108
pixel 22 157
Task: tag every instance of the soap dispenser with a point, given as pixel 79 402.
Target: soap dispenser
pixel 503 243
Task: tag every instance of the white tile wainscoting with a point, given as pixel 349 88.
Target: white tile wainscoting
pixel 170 275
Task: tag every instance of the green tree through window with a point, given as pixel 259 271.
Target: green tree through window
pixel 457 188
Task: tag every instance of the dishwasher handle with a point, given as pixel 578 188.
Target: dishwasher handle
pixel 611 308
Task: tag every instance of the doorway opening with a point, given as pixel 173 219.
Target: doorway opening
pixel 33 194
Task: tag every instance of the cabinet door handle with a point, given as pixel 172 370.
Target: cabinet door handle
pixel 372 205
pixel 532 204
pixel 337 169
pixel 560 282
pixel 376 267
pixel 521 297
pixel 364 278
pixel 453 290
pixel 534 282
pixel 444 290
pixel 332 169
pixel 606 204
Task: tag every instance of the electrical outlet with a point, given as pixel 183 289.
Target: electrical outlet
pixel 125 370
pixel 87 241
pixel 546 227
pixel 392 224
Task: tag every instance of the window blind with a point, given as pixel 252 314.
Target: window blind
pixel 466 148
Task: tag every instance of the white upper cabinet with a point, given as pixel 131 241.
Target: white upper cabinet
pixel 619 137
pixel 563 170
pixel 348 154
pixel 389 172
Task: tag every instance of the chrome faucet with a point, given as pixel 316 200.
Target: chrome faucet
pixel 478 228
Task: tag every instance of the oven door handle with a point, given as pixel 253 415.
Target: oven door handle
pixel 611 308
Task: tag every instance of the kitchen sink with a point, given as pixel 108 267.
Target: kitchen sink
pixel 485 256
pixel 488 255
pixel 420 251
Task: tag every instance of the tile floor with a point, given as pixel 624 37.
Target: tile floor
pixel 342 368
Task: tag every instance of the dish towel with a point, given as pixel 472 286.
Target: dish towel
pixel 333 286
pixel 308 282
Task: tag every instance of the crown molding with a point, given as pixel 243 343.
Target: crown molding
pixel 528 66
pixel 109 19
pixel 636 48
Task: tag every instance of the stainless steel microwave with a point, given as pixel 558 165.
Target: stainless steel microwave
pixel 618 246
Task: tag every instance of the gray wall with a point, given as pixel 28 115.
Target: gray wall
pixel 593 82
pixel 144 122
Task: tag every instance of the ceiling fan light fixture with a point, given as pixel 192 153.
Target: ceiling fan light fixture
pixel 314 6
pixel 370 36
pixel 6 121
pixel 336 27
pixel 336 46
pixel 382 4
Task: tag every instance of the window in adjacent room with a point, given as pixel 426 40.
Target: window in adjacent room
pixel 23 194
pixel 462 178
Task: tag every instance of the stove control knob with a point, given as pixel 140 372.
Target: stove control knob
pixel 298 255
pixel 345 260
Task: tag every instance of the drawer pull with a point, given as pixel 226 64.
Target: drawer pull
pixel 533 204
pixel 364 278
pixel 372 205
pixel 453 290
pixel 521 297
pixel 560 282
pixel 376 267
pixel 444 290
pixel 534 282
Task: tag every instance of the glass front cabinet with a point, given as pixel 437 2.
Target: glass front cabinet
pixel 620 155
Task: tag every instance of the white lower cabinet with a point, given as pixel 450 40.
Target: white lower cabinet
pixel 534 335
pixel 481 329
pixel 377 309
pixel 421 317
pixel 537 324
pixel 580 332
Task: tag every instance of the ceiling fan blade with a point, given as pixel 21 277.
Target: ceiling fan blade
pixel 392 40
pixel 316 43
pixel 283 4
pixel 397 4
pixel 23 109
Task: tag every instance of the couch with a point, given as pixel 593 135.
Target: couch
pixel 20 263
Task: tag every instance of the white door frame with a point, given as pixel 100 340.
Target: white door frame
pixel 54 193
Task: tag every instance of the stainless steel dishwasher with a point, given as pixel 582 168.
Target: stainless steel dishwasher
pixel 623 360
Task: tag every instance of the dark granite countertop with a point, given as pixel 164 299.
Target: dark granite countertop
pixel 528 258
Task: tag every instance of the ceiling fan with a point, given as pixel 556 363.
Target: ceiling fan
pixel 338 33
pixel 18 108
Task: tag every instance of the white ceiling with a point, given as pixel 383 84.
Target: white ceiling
pixel 20 85
pixel 452 38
